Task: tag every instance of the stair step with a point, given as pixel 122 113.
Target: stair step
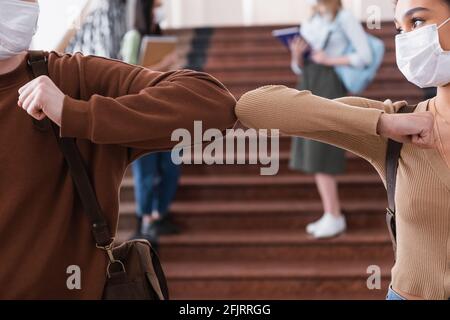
pixel 270 59
pixel 284 72
pixel 235 281
pixel 354 165
pixel 212 188
pixel 275 246
pixel 279 65
pixel 387 28
pixel 268 47
pixel 274 79
pixel 267 216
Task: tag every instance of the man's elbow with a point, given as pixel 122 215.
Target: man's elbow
pixel 226 109
pixel 221 100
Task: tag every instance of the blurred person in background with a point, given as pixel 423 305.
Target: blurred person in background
pixel 321 46
pixel 102 31
pixel 155 175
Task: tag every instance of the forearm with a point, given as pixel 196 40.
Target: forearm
pixel 338 61
pixel 294 111
pixel 147 119
pixel 350 123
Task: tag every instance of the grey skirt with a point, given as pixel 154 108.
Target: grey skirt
pixel 311 156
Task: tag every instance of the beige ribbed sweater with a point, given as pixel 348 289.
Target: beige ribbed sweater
pixel 422 268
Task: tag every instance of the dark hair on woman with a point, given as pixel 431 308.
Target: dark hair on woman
pixel 446 1
pixel 143 18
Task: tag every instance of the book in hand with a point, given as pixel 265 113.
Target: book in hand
pixel 286 35
pixel 155 48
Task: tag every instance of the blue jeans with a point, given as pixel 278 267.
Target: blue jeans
pixel 156 181
pixel 392 295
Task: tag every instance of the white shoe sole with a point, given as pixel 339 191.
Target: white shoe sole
pixel 334 235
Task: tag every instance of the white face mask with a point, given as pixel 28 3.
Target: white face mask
pixel 421 58
pixel 159 14
pixel 18 23
pixel 312 2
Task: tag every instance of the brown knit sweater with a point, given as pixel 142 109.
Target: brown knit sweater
pixel 117 112
pixel 422 268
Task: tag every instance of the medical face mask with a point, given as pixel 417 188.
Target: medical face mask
pixel 421 58
pixel 18 23
pixel 159 14
pixel 312 2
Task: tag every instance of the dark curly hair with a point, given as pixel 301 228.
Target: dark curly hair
pixel 143 18
pixel 446 1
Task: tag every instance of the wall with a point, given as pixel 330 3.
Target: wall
pixel 56 17
pixel 194 13
pixel 59 15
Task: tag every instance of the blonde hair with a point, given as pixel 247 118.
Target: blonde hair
pixel 333 6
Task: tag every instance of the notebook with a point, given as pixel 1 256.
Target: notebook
pixel 286 35
pixel 155 48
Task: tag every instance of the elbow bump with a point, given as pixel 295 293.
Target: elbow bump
pixel 219 98
pixel 247 105
pixel 253 103
pixel 226 105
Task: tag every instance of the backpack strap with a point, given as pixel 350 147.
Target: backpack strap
pixel 37 60
pixel 392 156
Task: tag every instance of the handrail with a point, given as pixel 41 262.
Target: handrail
pixel 70 34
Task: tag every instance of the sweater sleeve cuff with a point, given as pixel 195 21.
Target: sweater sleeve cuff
pixel 75 120
pixel 372 118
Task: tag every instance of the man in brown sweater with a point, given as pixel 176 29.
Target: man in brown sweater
pixel 116 112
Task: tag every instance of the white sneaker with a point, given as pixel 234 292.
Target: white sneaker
pixel 331 226
pixel 311 227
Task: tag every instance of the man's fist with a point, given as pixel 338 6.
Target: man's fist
pixel 40 98
pixel 416 128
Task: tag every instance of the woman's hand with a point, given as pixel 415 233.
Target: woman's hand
pixel 416 128
pixel 40 98
pixel 320 57
pixel 298 48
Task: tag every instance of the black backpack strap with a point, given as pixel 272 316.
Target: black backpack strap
pixel 37 60
pixel 392 156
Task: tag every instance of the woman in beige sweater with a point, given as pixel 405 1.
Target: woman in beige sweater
pixel 422 268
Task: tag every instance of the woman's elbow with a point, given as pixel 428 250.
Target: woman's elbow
pixel 262 108
pixel 248 106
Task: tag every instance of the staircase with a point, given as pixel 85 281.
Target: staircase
pixel 243 234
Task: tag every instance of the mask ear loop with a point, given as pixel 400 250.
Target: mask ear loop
pixel 443 23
